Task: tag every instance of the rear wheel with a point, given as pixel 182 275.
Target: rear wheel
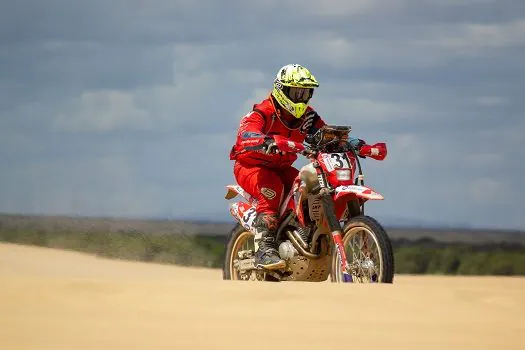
pixel 241 247
pixel 368 251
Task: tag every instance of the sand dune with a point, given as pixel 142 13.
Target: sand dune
pixel 51 299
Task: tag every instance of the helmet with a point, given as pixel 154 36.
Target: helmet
pixel 293 87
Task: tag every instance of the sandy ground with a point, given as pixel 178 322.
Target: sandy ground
pixel 51 299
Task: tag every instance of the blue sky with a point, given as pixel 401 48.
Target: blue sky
pixel 130 108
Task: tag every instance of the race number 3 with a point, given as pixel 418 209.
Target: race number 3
pixel 339 160
pixel 249 215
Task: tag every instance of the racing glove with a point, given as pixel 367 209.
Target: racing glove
pixel 265 145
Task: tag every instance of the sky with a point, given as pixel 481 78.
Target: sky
pixel 130 108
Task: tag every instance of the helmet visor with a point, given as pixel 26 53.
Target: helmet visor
pixel 299 95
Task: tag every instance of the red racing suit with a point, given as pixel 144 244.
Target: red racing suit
pixel 268 177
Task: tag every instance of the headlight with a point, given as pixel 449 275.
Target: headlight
pixel 343 175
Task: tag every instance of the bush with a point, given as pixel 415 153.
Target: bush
pixel 424 256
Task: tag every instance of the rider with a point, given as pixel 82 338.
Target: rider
pixel 267 177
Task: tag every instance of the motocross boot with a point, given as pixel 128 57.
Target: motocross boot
pixel 266 253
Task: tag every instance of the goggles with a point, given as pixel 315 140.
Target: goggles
pixel 299 95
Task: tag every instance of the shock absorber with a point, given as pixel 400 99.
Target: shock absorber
pixel 304 234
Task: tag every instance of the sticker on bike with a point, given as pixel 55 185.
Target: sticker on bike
pixel 360 191
pixel 247 216
pixel 336 161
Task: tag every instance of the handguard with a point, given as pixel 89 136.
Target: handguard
pixel 376 151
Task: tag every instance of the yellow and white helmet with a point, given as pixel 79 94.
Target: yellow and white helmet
pixel 293 87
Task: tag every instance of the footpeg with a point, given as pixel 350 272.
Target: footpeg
pixel 275 274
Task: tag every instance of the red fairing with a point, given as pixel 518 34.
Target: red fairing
pixel 262 122
pixel 291 201
pixel 377 151
pixel 339 167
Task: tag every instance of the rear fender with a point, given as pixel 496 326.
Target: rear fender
pixel 234 190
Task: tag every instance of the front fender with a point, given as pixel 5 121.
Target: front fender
pixel 358 191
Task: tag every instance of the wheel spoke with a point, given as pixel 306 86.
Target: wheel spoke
pixel 364 250
pixel 243 243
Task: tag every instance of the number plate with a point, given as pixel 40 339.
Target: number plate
pixel 248 217
pixel 336 161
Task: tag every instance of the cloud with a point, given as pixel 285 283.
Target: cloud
pixel 121 108
pixel 487 189
pixel 368 112
pixel 345 9
pixel 491 101
pixel 103 111
pixel 104 185
pixel 420 46
pixel 471 38
pixel 182 104
pixel 123 178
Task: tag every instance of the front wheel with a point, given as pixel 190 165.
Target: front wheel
pixel 368 251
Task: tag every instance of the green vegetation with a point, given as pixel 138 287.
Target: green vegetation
pixel 130 245
pixel 427 256
pixel 421 256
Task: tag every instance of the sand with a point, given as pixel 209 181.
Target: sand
pixel 53 299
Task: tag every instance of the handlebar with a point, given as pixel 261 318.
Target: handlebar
pixel 308 152
pixel 292 147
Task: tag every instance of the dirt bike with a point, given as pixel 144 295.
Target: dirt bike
pixel 321 216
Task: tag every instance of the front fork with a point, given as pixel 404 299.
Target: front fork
pixel 335 229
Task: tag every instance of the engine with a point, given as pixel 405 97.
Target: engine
pixel 287 251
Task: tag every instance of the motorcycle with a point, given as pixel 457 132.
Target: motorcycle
pixel 323 230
